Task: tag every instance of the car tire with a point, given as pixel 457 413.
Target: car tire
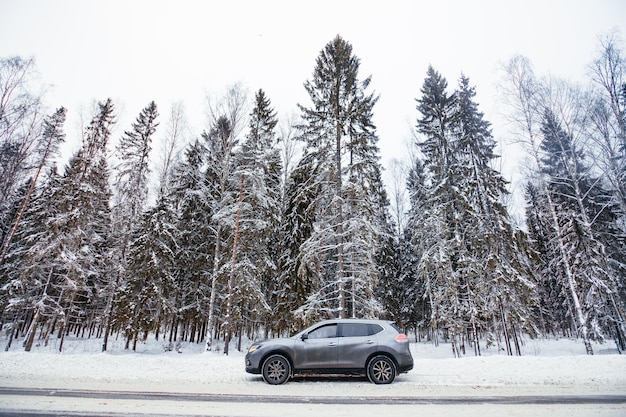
pixel 381 370
pixel 276 370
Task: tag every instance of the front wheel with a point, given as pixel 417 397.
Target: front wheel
pixel 276 370
pixel 381 370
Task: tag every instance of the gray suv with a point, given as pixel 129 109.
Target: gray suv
pixel 348 346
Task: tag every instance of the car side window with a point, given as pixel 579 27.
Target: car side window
pixel 324 332
pixel 359 329
pixel 354 329
pixel 375 328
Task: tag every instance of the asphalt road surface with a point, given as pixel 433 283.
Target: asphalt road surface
pixel 74 402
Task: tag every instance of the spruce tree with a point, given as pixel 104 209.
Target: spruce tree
pixel 341 148
pixel 131 185
pixel 133 170
pixel 441 228
pixel 27 296
pixel 473 267
pixel 67 238
pixel 259 166
pixel 500 265
pixel 194 259
pixel 147 299
pixel 296 279
pixel 221 194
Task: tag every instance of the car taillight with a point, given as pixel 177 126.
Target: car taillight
pixel 402 338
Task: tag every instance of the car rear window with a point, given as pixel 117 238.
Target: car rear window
pixel 359 329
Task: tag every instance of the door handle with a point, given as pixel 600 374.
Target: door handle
pixel 370 342
pixel 332 344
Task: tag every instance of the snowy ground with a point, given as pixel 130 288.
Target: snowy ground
pixel 556 367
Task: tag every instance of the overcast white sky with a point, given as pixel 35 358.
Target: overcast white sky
pixel 136 51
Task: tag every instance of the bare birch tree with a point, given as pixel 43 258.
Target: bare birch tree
pixel 537 106
pixel 22 147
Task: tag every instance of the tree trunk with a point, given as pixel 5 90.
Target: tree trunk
pixel 216 257
pixel 231 279
pixel 30 338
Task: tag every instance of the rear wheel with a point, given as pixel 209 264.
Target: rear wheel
pixel 381 370
pixel 276 370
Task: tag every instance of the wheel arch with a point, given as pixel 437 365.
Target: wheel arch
pixel 281 352
pixel 381 353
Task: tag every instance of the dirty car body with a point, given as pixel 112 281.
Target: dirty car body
pixel 375 348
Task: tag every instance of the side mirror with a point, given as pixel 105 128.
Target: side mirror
pixel 304 337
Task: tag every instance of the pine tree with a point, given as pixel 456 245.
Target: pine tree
pixel 500 261
pixel 147 299
pixel 64 247
pixel 259 166
pixel 441 222
pixel 341 148
pixel 133 171
pixel 296 280
pixel 132 191
pixel 473 267
pixel 220 192
pixel 27 296
pixel 194 259
pixel 555 306
pixel 83 222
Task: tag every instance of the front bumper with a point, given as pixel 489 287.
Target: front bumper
pixel 253 365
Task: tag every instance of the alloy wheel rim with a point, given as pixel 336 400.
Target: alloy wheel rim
pixel 276 370
pixel 382 371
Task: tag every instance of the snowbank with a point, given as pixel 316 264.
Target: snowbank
pixel 557 366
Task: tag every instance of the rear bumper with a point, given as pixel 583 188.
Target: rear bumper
pixel 405 363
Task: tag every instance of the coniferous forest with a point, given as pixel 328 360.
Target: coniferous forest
pixel 257 228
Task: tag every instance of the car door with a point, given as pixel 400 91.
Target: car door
pixel 317 349
pixel 357 341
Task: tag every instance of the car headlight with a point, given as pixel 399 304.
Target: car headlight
pixel 253 348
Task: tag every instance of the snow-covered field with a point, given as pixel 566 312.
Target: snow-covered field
pixel 554 367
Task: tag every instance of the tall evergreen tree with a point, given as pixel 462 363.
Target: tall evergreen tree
pixel 83 220
pixel 133 170
pixel 68 238
pixel 147 299
pixel 441 227
pixel 471 269
pixel 194 260
pixel 221 192
pixel 259 166
pixel 131 192
pixel 296 278
pixel 501 264
pixel 341 146
pixel 27 297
